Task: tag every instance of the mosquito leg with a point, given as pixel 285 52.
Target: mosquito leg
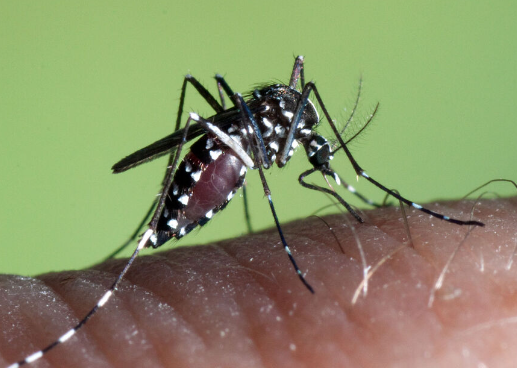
pixel 247 216
pixel 225 138
pixel 260 153
pixel 220 83
pixel 267 192
pixel 221 95
pixel 100 303
pixel 310 87
pixel 352 190
pixel 328 191
pixel 167 181
pixel 297 73
pixel 248 116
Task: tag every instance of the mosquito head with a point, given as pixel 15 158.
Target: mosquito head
pixel 318 151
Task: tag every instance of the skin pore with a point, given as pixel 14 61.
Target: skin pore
pixel 238 303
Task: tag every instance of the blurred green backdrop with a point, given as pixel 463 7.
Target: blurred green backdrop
pixel 82 85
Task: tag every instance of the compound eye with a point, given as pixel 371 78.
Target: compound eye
pixel 318 151
pixel 321 156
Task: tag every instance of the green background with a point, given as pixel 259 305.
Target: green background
pixel 81 86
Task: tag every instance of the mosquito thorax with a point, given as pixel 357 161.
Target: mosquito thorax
pixel 276 106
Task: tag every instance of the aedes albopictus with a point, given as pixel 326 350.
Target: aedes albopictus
pixel 264 129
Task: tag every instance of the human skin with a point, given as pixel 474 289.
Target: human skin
pixel 238 303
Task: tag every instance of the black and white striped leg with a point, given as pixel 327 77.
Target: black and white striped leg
pixel 267 192
pixel 352 190
pixel 326 190
pixel 259 154
pixel 248 117
pixel 223 86
pixel 225 138
pixel 310 87
pixel 169 176
pixel 102 301
pixel 144 242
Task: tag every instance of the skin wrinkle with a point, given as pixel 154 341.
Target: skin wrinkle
pixel 391 327
pixel 209 249
pixel 242 311
pixel 250 330
pixel 164 299
pixel 321 290
pixel 19 283
pixel 392 262
pixel 137 318
pixel 58 290
pixel 263 292
pixel 175 267
pixel 344 301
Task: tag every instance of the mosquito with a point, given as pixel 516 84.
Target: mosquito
pixel 257 132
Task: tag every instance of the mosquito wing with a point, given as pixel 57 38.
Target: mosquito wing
pixel 157 149
pixel 168 144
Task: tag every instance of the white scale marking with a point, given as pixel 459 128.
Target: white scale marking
pixel 209 214
pixel 306 131
pixel 105 298
pixel 153 239
pixel 228 141
pixel 183 199
pixel 173 224
pixel 316 111
pixel 280 131
pixel 209 143
pixel 269 127
pixel 175 188
pixel 236 138
pixel 232 128
pixel 230 196
pixel 282 104
pixel 288 114
pixel 274 146
pixel 67 335
pixel 34 357
pixel 417 206
pixel 182 231
pixel 194 116
pixel 243 171
pixel 216 153
pixel 188 166
pixel 336 179
pixel 196 175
